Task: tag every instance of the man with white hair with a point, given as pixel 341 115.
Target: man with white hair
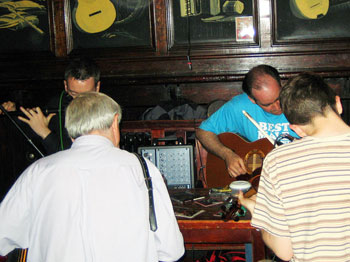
pixel 90 202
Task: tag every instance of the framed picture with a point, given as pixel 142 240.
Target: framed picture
pixel 310 20
pixel 203 22
pixel 110 23
pixel 244 28
pixel 24 26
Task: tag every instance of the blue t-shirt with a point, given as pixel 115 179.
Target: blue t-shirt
pixel 230 118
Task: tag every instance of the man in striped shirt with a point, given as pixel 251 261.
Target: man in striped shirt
pixel 303 203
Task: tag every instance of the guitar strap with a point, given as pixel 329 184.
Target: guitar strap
pixel 60 119
pixel 148 181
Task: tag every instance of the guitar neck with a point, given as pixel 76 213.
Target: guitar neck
pixel 26 20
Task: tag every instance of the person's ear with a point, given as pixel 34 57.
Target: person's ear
pixel 65 85
pixel 98 86
pixel 298 129
pixel 338 105
pixel 115 130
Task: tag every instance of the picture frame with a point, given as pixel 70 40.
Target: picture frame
pixel 201 23
pixel 109 24
pixel 303 21
pixel 25 26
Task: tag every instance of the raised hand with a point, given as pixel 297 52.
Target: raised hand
pixel 37 121
pixel 8 106
pixel 248 203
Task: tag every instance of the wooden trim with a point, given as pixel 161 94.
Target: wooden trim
pixel 199 234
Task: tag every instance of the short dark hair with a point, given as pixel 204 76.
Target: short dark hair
pixel 82 69
pixel 306 96
pixel 254 73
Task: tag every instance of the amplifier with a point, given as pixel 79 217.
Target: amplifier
pixel 175 163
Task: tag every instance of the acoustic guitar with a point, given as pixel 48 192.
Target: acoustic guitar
pixel 94 16
pixel 253 154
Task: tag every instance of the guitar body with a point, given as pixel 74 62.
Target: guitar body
pixel 94 16
pixel 252 153
pixel 309 9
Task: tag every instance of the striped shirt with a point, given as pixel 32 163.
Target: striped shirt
pixel 304 194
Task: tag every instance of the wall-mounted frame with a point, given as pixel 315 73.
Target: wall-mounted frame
pixel 300 21
pixel 217 23
pixel 25 26
pixel 109 24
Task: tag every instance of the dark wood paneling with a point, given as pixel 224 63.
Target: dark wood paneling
pixel 161 65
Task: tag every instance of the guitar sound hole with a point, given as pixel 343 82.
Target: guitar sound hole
pixel 254 160
pixel 95 13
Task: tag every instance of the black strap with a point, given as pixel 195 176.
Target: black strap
pixel 148 180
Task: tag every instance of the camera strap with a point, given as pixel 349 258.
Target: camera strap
pixel 148 181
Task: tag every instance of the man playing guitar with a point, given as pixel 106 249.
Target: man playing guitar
pixel 260 100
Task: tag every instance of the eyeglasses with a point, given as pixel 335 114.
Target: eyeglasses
pixel 75 94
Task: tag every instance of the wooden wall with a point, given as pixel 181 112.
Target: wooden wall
pixel 140 77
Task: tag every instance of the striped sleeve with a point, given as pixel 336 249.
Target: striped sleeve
pixel 269 212
pixel 304 194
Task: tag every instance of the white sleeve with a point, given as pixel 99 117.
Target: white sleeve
pixel 168 238
pixel 14 215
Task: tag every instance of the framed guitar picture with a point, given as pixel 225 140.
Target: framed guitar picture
pixel 110 23
pixel 24 26
pixel 216 23
pixel 310 20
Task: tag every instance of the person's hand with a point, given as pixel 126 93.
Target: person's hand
pixel 8 106
pixel 37 121
pixel 235 165
pixel 248 203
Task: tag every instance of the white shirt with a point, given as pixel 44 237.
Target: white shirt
pixel 89 203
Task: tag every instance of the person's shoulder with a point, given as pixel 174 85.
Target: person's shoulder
pixel 40 166
pixel 54 158
pixel 242 96
pixel 289 148
pixel 124 157
pixel 238 103
pixel 241 99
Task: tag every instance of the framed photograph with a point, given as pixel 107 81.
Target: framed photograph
pixel 24 26
pixel 244 28
pixel 201 22
pixel 310 20
pixel 110 23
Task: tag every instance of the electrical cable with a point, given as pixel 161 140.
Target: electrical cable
pixel 60 119
pixel 189 62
